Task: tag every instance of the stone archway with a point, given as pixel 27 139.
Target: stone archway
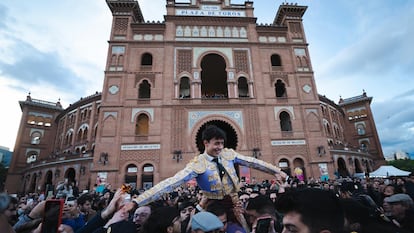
pixel 358 168
pixel 231 134
pixel 342 170
pixel 213 76
pixel 285 166
pixel 131 175
pixel 299 169
pixel 147 178
pixel 33 182
pixel 70 174
pixel 48 186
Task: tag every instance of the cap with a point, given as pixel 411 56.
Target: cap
pixel 400 197
pixel 205 221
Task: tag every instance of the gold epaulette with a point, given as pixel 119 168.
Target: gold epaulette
pixel 198 164
pixel 228 154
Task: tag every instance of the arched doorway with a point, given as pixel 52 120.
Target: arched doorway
pixel 48 182
pixel 70 174
pixel 285 166
pixel 33 182
pixel 213 77
pixel 342 170
pixel 299 169
pixel 147 178
pixel 231 134
pixel 131 175
pixel 357 166
pixel 367 167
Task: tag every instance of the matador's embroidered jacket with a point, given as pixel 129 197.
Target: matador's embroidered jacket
pixel 207 176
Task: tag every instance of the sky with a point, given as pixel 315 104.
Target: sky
pixel 56 50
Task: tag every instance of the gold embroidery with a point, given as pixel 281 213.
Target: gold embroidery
pixel 228 154
pixel 198 164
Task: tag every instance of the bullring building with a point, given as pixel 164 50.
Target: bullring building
pixel 209 62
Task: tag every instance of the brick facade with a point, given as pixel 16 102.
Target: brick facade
pixel 208 63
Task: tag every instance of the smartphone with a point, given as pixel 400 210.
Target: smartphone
pixel 263 225
pixel 52 217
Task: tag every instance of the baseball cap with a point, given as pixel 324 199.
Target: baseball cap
pixel 205 221
pixel 400 197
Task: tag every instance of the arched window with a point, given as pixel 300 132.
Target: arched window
pixel 144 91
pixel 79 136
pixel 68 137
pixel 214 77
pixel 146 59
pixel 85 133
pixel 32 156
pixel 285 166
pixel 361 129
pixel 131 175
pixel 243 88
pixel 275 60
pixel 285 123
pixel 328 128
pixel 280 89
pixel 185 87
pixel 147 178
pixel 36 138
pixel 337 132
pixel 364 146
pixel 142 125
pixel 95 131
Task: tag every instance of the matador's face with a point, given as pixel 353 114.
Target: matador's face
pixel 214 146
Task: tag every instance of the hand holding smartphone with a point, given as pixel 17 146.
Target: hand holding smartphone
pixel 52 217
pixel 263 225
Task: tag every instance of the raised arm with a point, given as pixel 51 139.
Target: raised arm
pixel 254 163
pixel 165 186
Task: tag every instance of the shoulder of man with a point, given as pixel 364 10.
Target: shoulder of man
pixel 198 164
pixel 228 154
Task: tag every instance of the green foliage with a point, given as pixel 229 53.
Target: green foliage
pixel 403 164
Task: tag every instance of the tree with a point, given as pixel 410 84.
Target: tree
pixel 403 164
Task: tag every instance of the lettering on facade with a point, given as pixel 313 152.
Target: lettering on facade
pixel 216 13
pixel 288 142
pixel 141 147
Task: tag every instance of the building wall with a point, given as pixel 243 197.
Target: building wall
pixel 204 49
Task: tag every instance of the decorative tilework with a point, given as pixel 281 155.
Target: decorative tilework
pixel 194 117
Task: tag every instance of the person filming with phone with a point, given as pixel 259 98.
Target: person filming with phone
pixel 262 215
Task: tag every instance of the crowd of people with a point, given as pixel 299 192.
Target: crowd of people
pixel 342 206
pixel 220 203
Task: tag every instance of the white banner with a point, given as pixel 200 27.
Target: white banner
pixel 141 147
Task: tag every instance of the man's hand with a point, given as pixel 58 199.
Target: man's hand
pixel 282 176
pixel 114 204
pixel 120 215
pixel 38 210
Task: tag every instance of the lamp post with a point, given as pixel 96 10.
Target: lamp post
pixel 177 155
pixel 256 152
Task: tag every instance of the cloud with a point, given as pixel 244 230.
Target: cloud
pixel 375 56
pixel 35 67
pixel 3 16
pixel 395 124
